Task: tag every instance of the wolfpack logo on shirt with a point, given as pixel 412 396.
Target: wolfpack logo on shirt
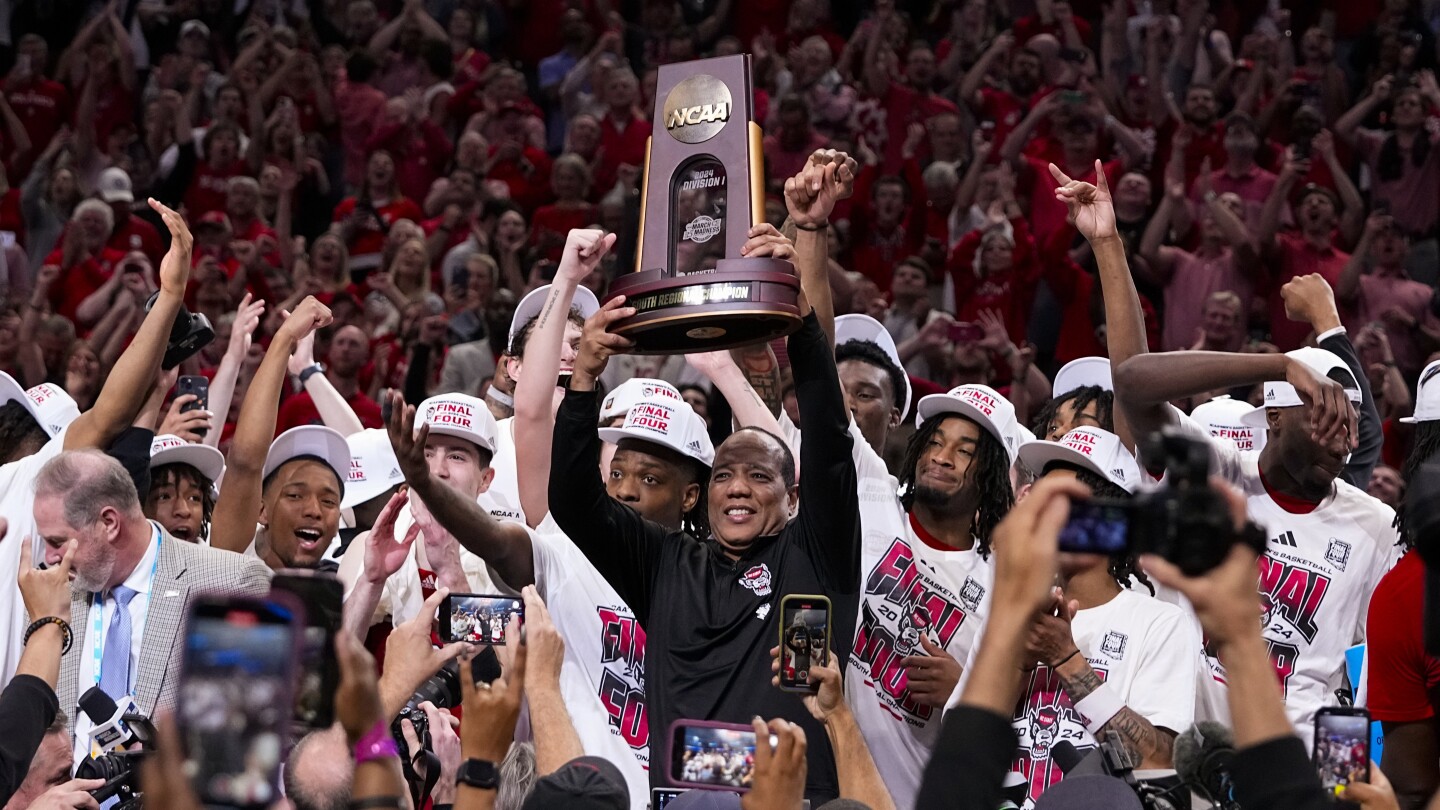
pixel 1338 554
pixel 622 682
pixel 1114 644
pixel 1044 718
pixel 757 579
pixel 901 604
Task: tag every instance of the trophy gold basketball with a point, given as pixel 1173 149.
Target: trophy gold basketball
pixel 691 289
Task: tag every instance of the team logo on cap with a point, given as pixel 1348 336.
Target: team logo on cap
pixel 757 579
pixel 651 416
pixel 451 414
pixel 649 390
pixel 167 443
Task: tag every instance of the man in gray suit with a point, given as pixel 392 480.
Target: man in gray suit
pixel 131 582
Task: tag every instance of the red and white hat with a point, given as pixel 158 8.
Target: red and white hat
pixel 170 449
pixel 866 328
pixel 627 394
pixel 373 467
pixel 1099 451
pixel 1427 396
pixel 980 404
pixel 48 403
pixel 534 301
pixel 669 423
pixel 461 416
pixel 1280 394
pixel 1082 372
pixel 1223 418
pixel 319 441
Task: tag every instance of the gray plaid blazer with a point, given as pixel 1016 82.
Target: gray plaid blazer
pixel 183 571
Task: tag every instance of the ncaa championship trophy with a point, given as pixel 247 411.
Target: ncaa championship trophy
pixel 691 290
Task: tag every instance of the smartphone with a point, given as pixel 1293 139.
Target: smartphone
pixel 1097 526
pixel 321 594
pixel 659 797
pixel 478 618
pixel 963 332
pixel 1342 747
pixel 240 660
pixel 200 387
pixel 713 756
pixel 804 640
pixel 1302 148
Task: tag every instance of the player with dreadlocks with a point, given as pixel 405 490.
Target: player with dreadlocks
pixel 1119 664
pixel 1083 396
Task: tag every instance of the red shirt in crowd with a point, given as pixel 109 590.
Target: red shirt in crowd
pixel 80 280
pixel 137 234
pixel 884 121
pixel 207 189
pixel 1011 292
pixel 300 410
pixel 875 253
pixel 370 239
pixel 420 152
pixel 551 224
pixel 1403 681
pixel 359 107
pixel 43 106
pixel 620 142
pixel 1299 258
pixel 1081 302
pixel 1047 214
pixel 527 177
pixel 1028 27
pixel 12 219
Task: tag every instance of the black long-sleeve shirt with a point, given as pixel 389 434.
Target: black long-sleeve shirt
pixel 1277 775
pixel 27 708
pixel 1372 436
pixel 968 767
pixel 710 621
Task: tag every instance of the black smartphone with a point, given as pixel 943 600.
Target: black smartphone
pixel 237 674
pixel 321 594
pixel 1303 148
pixel 478 618
pixel 1097 526
pixel 200 387
pixel 804 640
pixel 659 797
pixel 1342 748
pixel 712 756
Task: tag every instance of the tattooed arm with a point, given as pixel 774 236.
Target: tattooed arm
pixel 762 372
pixel 1149 747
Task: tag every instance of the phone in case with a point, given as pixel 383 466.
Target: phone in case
pixel 804 640
pixel 479 618
pixel 1342 747
pixel 200 387
pixel 708 755
pixel 321 594
pixel 659 797
pixel 237 677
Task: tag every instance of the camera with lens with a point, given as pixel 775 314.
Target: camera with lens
pixel 121 772
pixel 441 689
pixel 190 333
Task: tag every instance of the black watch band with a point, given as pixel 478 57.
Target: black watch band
pixel 308 371
pixel 478 773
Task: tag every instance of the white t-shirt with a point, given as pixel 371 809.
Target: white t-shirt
pixel 17 505
pixel 503 496
pixel 603 679
pixel 1143 648
pixel 1316 579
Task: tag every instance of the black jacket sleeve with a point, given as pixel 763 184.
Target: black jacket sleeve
pixel 829 521
pixel 1372 434
pixel 623 546
pixel 1277 775
pixel 967 769
pixel 27 708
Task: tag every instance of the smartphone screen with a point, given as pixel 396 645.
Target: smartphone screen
pixel 659 797
pixel 235 696
pixel 1097 526
pixel 1342 747
pixel 804 640
pixel 717 756
pixel 478 618
pixel 321 595
pixel 965 332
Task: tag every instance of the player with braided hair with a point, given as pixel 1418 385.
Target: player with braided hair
pixel 986 493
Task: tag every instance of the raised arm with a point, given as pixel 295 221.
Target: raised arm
pixel 128 385
pixel 722 370
pixel 1159 257
pixel 535 390
pixel 1379 93
pixel 810 197
pixel 1014 145
pixel 1293 170
pixel 233 524
pixel 974 78
pixel 1347 289
pixel 556 741
pixel 1352 211
pixel 334 411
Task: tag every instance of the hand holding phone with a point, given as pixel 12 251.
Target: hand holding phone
pixel 966 332
pixel 804 640
pixel 707 755
pixel 1342 748
pixel 478 618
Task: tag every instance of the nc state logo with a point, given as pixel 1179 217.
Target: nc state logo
pixel 1044 728
pixel 757 579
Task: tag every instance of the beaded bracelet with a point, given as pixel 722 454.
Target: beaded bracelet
pixel 56 620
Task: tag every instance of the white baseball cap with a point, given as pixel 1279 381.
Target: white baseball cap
pixel 1427 396
pixel 1099 451
pixel 319 441
pixel 1223 418
pixel 461 416
pixel 1280 394
pixel 373 467
pixel 869 330
pixel 534 301
pixel 195 27
pixel 114 186
pixel 627 394
pixel 1082 372
pixel 980 404
pixel 171 449
pixel 47 403
pixel 668 423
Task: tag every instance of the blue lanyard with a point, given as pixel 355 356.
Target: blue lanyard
pixel 97 630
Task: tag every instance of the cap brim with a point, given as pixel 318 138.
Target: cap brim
pixel 614 435
pixel 10 390
pixel 865 328
pixel 309 440
pixel 209 461
pixel 117 196
pixel 1038 454
pixel 1257 419
pixel 534 301
pixel 936 404
pixel 1081 373
pixel 469 436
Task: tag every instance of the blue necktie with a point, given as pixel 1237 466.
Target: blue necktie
pixel 115 663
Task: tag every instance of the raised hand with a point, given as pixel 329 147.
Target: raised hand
pixel 997 337
pixel 46 592
pixel 492 708
pixel 597 343
pixel 827 178
pixel 175 267
pixel 584 249
pixel 1331 414
pixel 189 425
pixel 1090 207
pixel 307 317
pixel 357 698
pixel 779 782
pixel 408 445
pixel 765 240
pixel 1309 299
pixel 303 355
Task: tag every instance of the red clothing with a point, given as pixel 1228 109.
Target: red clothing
pixel 1011 292
pixel 1298 258
pixel 470 65
pixel 1003 108
pixel 620 142
pixel 12 219
pixel 1047 214
pixel 884 121
pixel 207 189
pixel 114 106
pixel 137 234
pixel 370 238
pixel 527 177
pixel 1079 294
pixel 873 253
pixel 358 106
pixel 300 410
pixel 1209 143
pixel 551 224
pixel 1027 28
pixel 1404 682
pixel 77 282
pixel 420 154
pixel 43 106
pixel 534 31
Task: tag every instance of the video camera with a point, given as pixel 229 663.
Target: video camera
pixel 190 333
pixel 115 730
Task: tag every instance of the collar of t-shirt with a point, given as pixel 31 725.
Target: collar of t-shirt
pixel 1290 503
pixel 927 538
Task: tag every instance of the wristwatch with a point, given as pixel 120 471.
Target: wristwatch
pixel 478 773
pixel 313 368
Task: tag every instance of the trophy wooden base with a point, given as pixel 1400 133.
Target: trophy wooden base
pixel 743 301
